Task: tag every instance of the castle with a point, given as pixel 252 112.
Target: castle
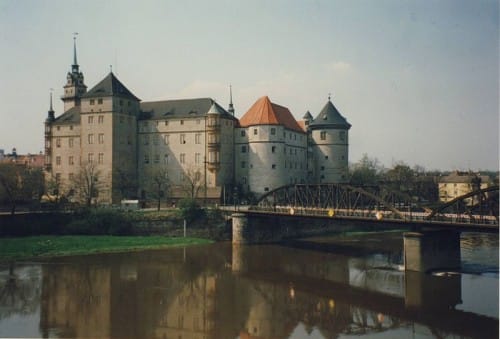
pixel 112 145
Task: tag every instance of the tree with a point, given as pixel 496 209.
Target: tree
pixel 20 184
pixel 87 182
pixel 192 181
pixel 125 183
pixel 158 184
pixel 366 171
pixel 401 177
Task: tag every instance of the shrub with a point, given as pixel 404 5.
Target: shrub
pixel 190 210
pixel 100 222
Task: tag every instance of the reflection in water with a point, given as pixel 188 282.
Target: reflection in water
pixel 221 291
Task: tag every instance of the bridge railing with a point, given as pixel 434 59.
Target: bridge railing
pixel 409 216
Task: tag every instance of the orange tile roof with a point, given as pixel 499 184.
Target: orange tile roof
pixel 264 112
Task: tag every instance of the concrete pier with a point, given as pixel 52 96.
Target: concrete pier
pixel 431 250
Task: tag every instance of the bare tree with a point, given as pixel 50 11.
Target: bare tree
pixel 158 184
pixel 20 184
pixel 125 183
pixel 192 181
pixel 87 182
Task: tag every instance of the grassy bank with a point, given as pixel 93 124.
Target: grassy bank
pixel 51 246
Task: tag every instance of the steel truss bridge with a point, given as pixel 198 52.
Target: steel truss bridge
pixel 480 208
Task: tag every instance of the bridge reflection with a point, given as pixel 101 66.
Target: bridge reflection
pixel 250 292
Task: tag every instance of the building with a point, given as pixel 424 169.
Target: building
pixel 28 160
pixel 458 183
pixel 108 145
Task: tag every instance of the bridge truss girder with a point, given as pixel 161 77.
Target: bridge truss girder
pixel 342 198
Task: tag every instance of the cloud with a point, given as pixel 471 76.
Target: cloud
pixel 339 66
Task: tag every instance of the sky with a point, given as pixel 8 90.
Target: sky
pixel 418 80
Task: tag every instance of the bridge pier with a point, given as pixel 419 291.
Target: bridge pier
pixel 431 250
pixel 256 230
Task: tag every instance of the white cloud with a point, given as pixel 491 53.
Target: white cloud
pixel 339 66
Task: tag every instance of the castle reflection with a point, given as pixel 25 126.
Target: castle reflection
pixel 220 291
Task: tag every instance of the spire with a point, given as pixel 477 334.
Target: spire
pixel 74 67
pixel 50 113
pixel 231 107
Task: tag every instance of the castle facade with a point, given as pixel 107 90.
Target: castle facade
pixel 108 145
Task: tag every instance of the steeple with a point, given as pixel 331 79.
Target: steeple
pixel 231 107
pixel 74 67
pixel 75 86
pixel 50 113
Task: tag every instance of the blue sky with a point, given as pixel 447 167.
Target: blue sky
pixel 418 80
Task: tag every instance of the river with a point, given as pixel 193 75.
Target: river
pixel 347 286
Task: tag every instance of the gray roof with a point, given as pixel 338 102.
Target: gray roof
pixel 71 116
pixel 110 86
pixel 180 108
pixel 329 117
pixel 307 116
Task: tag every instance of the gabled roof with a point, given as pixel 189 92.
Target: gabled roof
pixel 264 112
pixel 181 108
pixel 329 117
pixel 109 86
pixel 71 116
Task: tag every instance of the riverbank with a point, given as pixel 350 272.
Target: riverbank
pixel 55 246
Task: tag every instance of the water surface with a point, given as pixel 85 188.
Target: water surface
pixel 342 287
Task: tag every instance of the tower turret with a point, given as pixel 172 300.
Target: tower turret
pixel 75 87
pixel 330 145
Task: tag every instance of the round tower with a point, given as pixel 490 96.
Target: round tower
pixel 329 139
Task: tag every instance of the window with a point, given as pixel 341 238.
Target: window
pixel 99 101
pixel 182 122
pixel 197 138
pixel 273 166
pixel 146 158
pixel 71 160
pixel 197 121
pixel 146 140
pixel 165 159
pixel 91 139
pixel 58 177
pixel 101 138
pixel 322 135
pixel 157 158
pixel 255 131
pixel 90 158
pixel 58 142
pixel 273 131
pixel 273 149
pixel 58 160
pixel 243 164
pixel 166 122
pixel 90 119
pixel 243 149
pixel 155 139
pixel 197 158
pixel 165 139
pixel 92 101
pixel 182 158
pixel 70 127
pixel 243 133
pixel 183 138
pixel 100 119
pixel 71 176
pixel 326 157
pixel 70 142
pixel 100 158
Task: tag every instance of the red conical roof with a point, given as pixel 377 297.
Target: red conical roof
pixel 264 112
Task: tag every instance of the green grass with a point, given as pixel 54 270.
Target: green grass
pixel 52 246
